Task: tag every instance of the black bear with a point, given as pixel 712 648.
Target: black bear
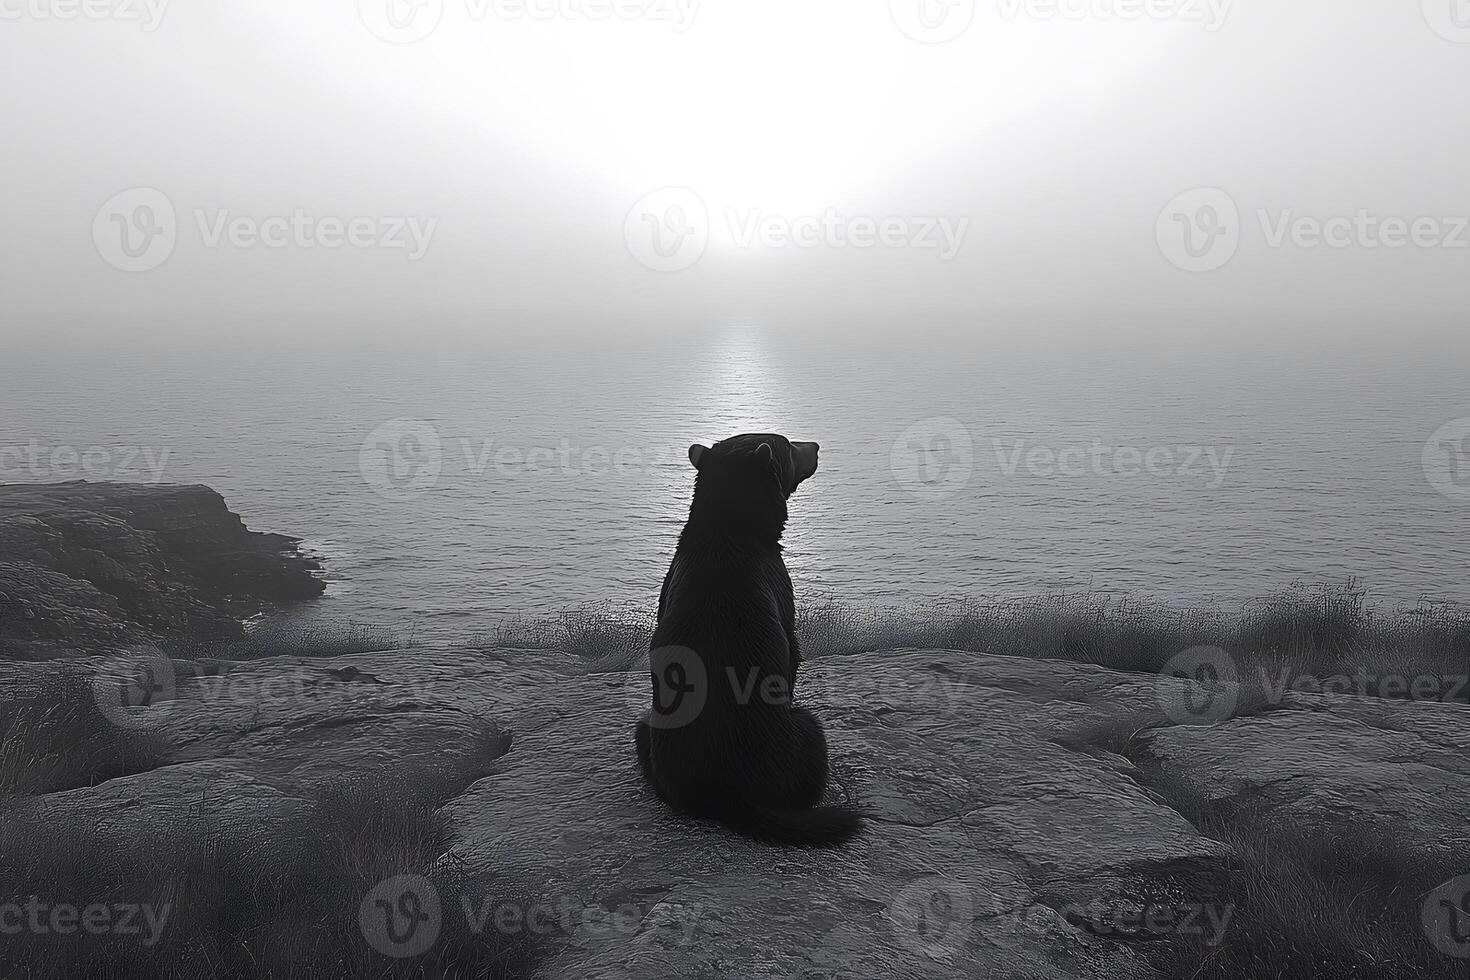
pixel 723 740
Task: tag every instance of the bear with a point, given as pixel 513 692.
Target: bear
pixel 723 740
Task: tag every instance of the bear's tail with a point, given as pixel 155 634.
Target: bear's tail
pixel 822 826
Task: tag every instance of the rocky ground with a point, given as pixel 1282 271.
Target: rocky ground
pixel 86 566
pixel 1008 837
pixel 448 811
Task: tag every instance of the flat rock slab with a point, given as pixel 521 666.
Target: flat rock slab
pixel 982 828
pixel 1392 770
pixel 999 818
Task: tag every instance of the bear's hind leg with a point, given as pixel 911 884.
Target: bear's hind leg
pixel 808 761
pixel 664 788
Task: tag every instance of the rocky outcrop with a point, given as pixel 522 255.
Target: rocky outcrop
pixel 447 811
pixel 1024 814
pixel 86 566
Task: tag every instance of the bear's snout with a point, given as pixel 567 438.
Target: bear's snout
pixel 804 456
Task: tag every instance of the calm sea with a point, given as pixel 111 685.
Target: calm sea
pixel 449 485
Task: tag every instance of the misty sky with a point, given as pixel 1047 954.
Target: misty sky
pixel 841 163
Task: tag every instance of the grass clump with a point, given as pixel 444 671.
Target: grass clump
pixel 298 903
pixel 611 638
pixel 56 735
pixel 1331 638
pixel 1306 901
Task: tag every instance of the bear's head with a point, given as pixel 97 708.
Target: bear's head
pixel 758 457
pixel 744 481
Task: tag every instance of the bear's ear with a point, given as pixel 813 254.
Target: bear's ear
pixel 696 453
pixel 763 454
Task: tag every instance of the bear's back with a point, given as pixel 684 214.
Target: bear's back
pixel 731 611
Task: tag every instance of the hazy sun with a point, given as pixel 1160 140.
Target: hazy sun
pixel 788 107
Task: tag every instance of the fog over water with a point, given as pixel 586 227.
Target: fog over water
pixel 451 486
pixel 1166 299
